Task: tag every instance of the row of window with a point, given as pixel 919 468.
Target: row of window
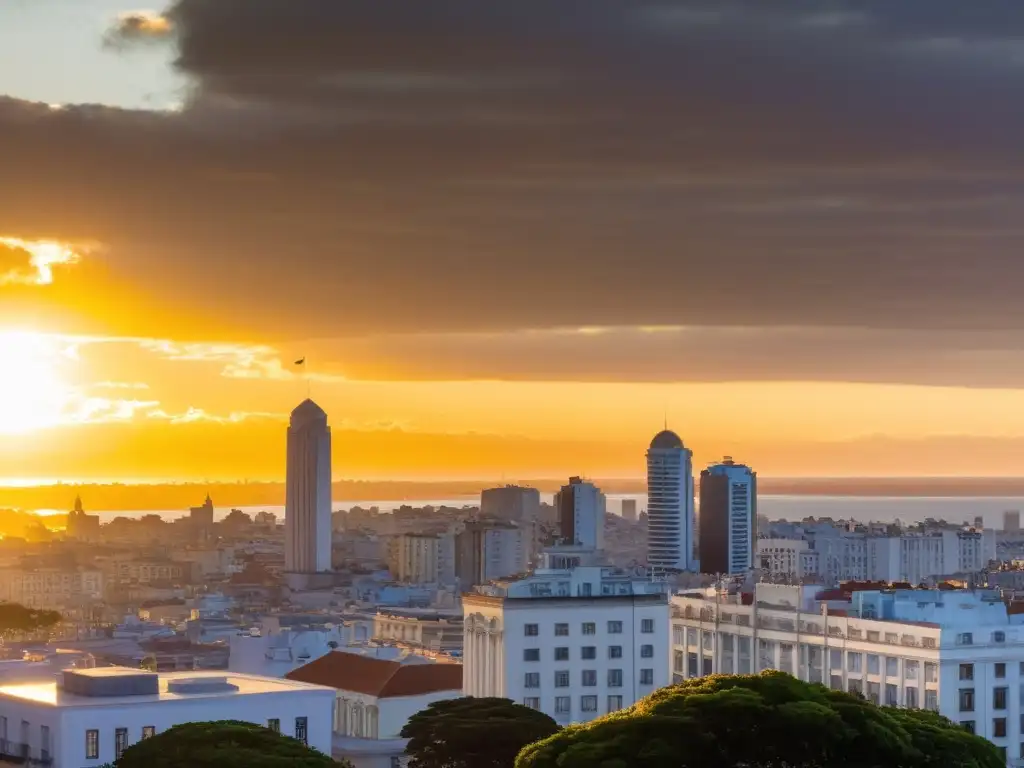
pixel 589 628
pixel 967 638
pixel 588 678
pixel 587 653
pixel 998 727
pixel 998 670
pixel 92 736
pixel 1000 697
pixel 563 704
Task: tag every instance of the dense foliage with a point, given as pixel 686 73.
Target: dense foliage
pixel 16 619
pixel 222 744
pixel 771 720
pixel 473 733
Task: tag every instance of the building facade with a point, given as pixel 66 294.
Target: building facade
pixel 955 652
pixel 581 507
pixel 575 644
pixel 628 510
pixel 671 522
pixel 728 518
pixel 486 550
pixel 415 558
pixel 514 503
pixel 91 716
pixel 308 491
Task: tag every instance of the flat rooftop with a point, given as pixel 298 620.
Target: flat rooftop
pixel 52 694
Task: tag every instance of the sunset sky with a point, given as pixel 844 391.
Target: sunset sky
pixel 511 237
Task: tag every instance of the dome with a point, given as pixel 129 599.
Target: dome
pixel 666 440
pixel 307 411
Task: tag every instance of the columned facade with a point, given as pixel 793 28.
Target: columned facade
pixel 483 657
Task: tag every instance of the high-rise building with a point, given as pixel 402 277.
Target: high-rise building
pixel 489 549
pixel 511 502
pixel 413 558
pixel 728 518
pixel 308 491
pixel 580 507
pixel 629 510
pixel 1011 521
pixel 671 522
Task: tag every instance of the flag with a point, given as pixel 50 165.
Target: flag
pixel 300 361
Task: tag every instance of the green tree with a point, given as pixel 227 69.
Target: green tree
pixel 16 619
pixel 223 744
pixel 473 733
pixel 771 720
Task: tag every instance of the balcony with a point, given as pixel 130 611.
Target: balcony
pixel 21 754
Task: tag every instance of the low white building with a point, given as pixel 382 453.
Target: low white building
pixel 956 652
pixel 375 699
pixel 573 643
pixel 90 716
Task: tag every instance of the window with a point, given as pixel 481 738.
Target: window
pixel 892 667
pixel 911 696
pixel 965 638
pixel 614 678
pixel 532 702
pixel 588 703
pixel 966 699
pixel 967 725
pixel 873 664
pixel 531 654
pixel 531 630
pixel 148 731
pixel 999 728
pixel 614 651
pixel 588 652
pixel 998 637
pixel 562 678
pixel 120 742
pixel 615 628
pixel 646 677
pixel 646 651
pixel 561 630
pixel 44 741
pixel 302 729
pixel 589 677
pixel 531 680
pixel 589 628
pixel 561 654
pixel 966 671
pixel 614 703
pixel 92 744
pixel 563 705
pixel 1000 670
pixel 931 700
pixel 853 662
pixel 999 697
pixel 647 626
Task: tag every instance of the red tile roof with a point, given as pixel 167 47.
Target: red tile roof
pixel 382 678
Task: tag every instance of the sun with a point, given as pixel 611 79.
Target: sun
pixel 32 395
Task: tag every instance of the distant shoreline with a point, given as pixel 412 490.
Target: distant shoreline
pixel 163 496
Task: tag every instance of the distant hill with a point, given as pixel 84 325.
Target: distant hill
pixel 181 496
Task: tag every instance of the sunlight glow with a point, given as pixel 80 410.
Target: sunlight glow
pixel 32 395
pixel 43 256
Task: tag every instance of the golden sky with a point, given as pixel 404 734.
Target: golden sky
pixel 512 246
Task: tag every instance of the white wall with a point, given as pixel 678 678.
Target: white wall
pixel 68 726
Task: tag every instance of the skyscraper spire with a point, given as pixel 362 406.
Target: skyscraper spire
pixel 78 504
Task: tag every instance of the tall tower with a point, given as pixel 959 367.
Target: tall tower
pixel 581 508
pixel 307 540
pixel 728 518
pixel 670 518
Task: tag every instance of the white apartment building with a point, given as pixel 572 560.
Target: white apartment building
pixel 50 588
pixel 90 716
pixel 671 521
pixel 912 557
pixel 486 550
pixel 414 558
pixel 956 652
pixel 574 643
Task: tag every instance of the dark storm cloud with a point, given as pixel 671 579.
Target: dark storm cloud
pixel 344 166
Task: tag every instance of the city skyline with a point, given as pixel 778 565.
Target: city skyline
pixel 819 280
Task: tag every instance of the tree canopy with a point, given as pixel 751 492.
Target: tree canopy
pixel 16 619
pixel 222 744
pixel 473 733
pixel 771 720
